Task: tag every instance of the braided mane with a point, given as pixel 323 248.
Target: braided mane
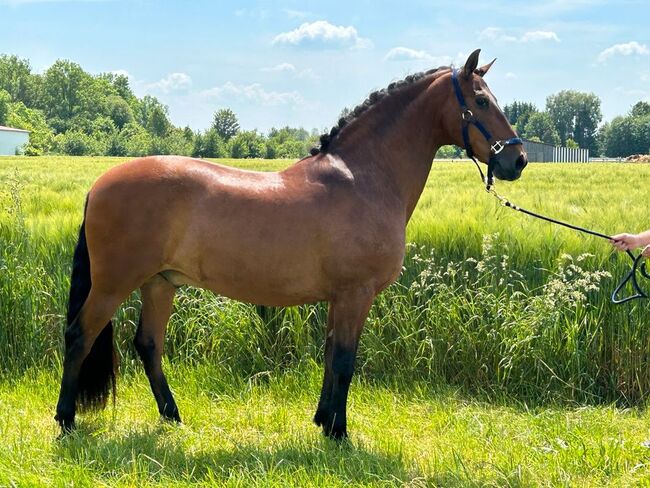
pixel 395 87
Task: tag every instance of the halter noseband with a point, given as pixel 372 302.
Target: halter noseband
pixel 496 146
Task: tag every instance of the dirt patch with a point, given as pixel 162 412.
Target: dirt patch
pixel 638 158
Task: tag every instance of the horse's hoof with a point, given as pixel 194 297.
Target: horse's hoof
pixel 66 424
pixel 332 429
pixel 171 417
pixel 321 416
pixel 338 434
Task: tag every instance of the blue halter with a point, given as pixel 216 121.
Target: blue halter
pixel 468 118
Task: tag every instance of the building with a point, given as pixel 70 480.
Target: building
pixel 540 152
pixel 12 140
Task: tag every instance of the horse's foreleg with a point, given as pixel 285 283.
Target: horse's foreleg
pixel 157 300
pixel 347 314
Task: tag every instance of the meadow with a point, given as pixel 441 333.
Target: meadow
pixel 496 359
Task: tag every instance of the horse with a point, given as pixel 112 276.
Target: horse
pixel 331 227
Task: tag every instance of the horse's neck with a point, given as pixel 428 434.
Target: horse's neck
pixel 399 158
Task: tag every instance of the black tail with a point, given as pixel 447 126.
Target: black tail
pixel 97 374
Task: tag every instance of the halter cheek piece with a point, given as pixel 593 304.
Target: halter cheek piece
pixel 496 146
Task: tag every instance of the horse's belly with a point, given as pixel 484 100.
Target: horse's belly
pixel 281 283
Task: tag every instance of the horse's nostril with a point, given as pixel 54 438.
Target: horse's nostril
pixel 521 162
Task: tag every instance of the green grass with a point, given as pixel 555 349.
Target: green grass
pixel 495 360
pixel 240 432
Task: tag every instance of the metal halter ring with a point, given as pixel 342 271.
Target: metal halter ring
pixel 467 115
pixel 497 147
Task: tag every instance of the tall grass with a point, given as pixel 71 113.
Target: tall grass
pixel 488 300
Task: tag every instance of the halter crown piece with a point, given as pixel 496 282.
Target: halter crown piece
pixel 496 146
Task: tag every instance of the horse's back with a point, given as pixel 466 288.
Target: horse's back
pixel 234 231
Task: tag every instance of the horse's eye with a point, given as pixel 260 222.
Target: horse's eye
pixel 482 102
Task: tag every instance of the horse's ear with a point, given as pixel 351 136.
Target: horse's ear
pixel 484 69
pixel 471 64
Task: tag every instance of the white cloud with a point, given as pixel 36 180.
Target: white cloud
pixel 401 53
pixel 255 93
pixel 633 92
pixel 534 36
pixel 172 82
pixel 308 74
pixel 497 34
pixel 511 76
pixel 281 67
pixel 323 33
pixel 404 53
pixel 257 13
pixel 296 14
pixel 624 49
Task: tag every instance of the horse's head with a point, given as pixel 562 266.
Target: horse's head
pixel 476 122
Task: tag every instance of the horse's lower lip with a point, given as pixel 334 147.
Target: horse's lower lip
pixel 509 176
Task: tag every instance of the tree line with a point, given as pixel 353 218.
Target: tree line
pixel 572 119
pixel 70 111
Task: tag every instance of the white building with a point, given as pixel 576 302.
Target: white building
pixel 12 140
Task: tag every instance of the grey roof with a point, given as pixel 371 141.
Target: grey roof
pixel 11 129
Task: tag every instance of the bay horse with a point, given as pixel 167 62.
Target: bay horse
pixel 329 228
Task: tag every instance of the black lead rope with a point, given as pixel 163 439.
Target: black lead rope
pixel 496 146
pixel 638 264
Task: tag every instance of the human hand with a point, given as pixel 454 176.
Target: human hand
pixel 646 251
pixel 625 242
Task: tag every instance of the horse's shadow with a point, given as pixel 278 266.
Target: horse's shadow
pixel 157 453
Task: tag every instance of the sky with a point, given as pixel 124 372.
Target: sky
pixel 281 62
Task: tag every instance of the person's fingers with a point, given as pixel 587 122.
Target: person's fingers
pixel 646 251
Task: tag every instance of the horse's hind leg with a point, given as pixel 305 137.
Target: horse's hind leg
pixel 157 300
pixel 88 367
pixel 347 314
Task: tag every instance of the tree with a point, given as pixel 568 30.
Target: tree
pixel 63 91
pixel 16 78
pixel 449 152
pixel 119 111
pixel 575 115
pixel 571 144
pixel 640 109
pixel 121 84
pixel 5 100
pixel 518 114
pixel 540 125
pixel 247 144
pixel 158 124
pixel 75 143
pixel 188 133
pixel 628 135
pixel 288 142
pixel 138 139
pixel 152 115
pixel 225 123
pixel 33 120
